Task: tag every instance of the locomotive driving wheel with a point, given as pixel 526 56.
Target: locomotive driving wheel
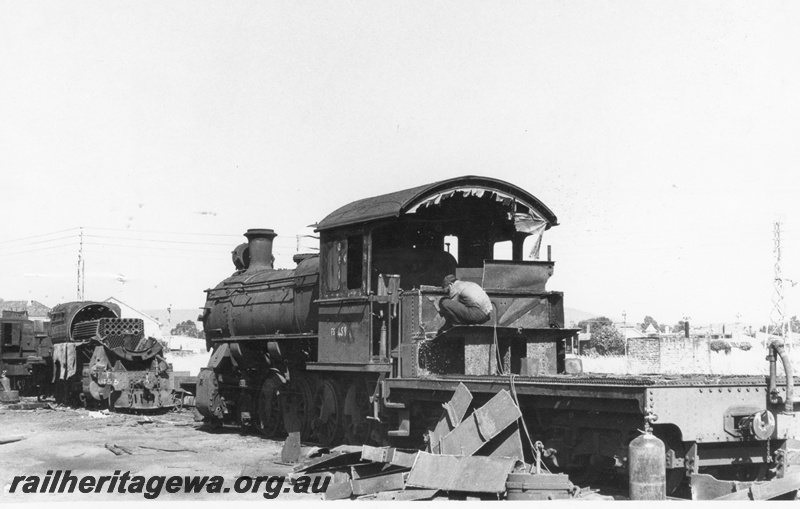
pixel 328 414
pixel 268 419
pixel 356 410
pixel 298 402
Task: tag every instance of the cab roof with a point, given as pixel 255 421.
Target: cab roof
pixel 409 200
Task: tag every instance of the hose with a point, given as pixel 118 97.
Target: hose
pixel 777 347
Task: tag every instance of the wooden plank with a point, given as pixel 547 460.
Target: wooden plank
pixel 485 423
pixel 454 411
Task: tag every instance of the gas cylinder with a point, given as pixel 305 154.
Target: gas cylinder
pixel 647 469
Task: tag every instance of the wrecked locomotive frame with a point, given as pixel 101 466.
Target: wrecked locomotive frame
pixel 87 355
pixel 25 352
pixel 347 347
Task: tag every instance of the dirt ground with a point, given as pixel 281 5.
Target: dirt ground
pixel 165 444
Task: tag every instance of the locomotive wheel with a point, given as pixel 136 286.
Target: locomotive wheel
pixel 268 409
pixel 328 414
pixel 177 402
pixel 298 402
pixel 356 409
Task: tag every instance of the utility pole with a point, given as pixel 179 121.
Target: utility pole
pixel 777 316
pixel 81 268
pixel 738 325
pixel 624 333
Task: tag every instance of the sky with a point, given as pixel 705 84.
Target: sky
pixel 664 136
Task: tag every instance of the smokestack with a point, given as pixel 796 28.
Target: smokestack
pixel 260 247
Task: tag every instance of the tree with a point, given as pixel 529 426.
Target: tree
pixel 187 328
pixel 593 323
pixel 647 321
pixel 679 328
pixel 607 340
pixel 719 345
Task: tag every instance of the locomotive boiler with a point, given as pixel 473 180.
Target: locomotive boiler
pixel 99 358
pixel 349 345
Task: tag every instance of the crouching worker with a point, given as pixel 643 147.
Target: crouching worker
pixel 467 303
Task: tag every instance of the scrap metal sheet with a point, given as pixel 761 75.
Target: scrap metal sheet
pixel 405 495
pixel 341 456
pixel 476 474
pixel 388 455
pixel 454 411
pixel 388 482
pixel 485 423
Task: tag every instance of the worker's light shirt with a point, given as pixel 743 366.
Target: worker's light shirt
pixel 471 295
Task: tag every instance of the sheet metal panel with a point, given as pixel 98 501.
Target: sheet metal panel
pixel 477 474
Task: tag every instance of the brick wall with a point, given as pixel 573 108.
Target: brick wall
pixel 669 355
pixel 644 356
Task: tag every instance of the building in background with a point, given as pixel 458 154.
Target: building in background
pixel 35 309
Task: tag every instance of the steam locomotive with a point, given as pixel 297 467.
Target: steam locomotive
pixel 349 345
pixel 86 354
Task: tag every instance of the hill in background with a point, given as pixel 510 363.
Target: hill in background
pixel 573 316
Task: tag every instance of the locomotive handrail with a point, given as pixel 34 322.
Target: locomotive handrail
pixel 265 337
pixel 341 300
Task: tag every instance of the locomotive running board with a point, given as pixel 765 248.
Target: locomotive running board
pixel 374 367
pixel 544 334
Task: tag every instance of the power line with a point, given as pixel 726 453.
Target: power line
pixel 71 244
pixel 164 233
pixel 37 236
pixel 40 242
pixel 157 248
pixel 283 239
pixel 158 240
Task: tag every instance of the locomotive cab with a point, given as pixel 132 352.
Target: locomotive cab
pixel 382 263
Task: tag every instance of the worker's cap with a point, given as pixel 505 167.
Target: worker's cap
pixel 449 280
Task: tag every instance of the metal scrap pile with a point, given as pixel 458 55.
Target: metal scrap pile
pixel 477 456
